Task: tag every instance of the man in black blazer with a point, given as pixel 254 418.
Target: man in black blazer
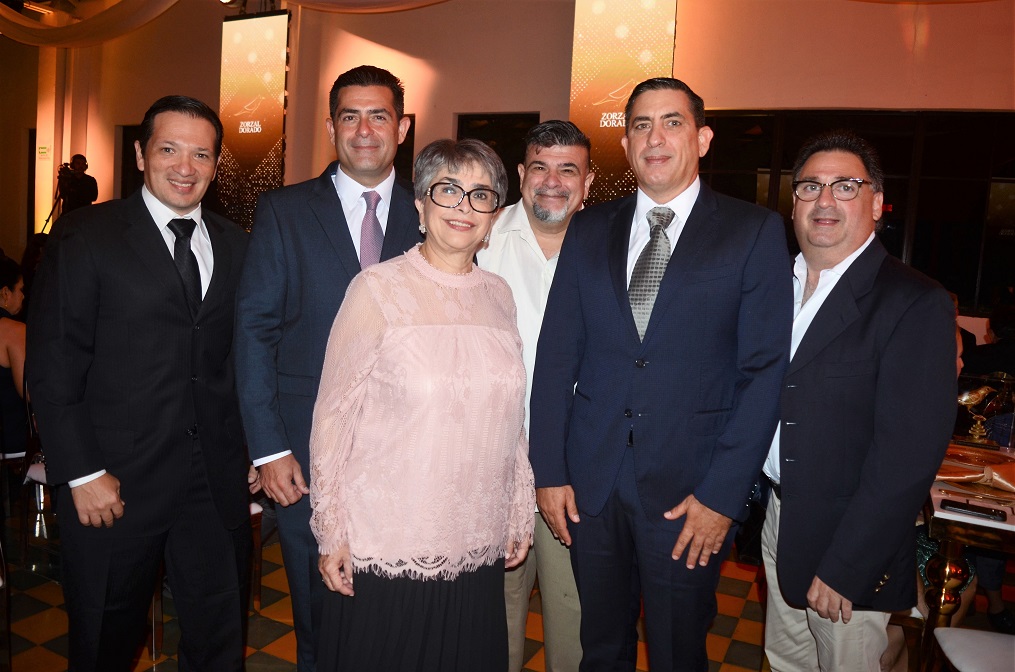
pixel 867 409
pixel 131 375
pixel 308 242
pixel 649 420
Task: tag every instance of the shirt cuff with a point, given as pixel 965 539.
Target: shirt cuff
pixel 75 482
pixel 271 458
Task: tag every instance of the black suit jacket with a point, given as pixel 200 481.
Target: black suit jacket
pixel 697 399
pixel 122 377
pixel 868 407
pixel 300 263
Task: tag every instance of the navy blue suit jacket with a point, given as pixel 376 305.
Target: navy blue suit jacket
pixel 300 262
pixel 697 400
pixel 868 407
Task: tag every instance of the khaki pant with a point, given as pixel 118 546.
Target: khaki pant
pixel 799 640
pixel 551 560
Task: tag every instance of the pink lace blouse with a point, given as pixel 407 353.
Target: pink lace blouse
pixel 418 457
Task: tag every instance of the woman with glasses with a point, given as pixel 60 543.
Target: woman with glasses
pixel 421 490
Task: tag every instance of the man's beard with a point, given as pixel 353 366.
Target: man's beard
pixel 547 215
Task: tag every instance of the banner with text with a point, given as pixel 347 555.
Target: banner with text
pixel 617 44
pixel 252 108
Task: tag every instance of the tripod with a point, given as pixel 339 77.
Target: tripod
pixel 57 197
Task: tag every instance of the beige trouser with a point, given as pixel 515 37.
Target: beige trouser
pixel 561 611
pixel 799 640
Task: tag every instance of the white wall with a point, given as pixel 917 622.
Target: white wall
pixel 874 54
pixel 515 56
pixel 462 56
pixel 17 116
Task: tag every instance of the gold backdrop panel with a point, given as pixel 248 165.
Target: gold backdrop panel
pixel 252 108
pixel 617 43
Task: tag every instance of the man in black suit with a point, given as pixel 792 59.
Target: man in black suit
pixel 131 376
pixel 308 242
pixel 867 408
pixel 663 345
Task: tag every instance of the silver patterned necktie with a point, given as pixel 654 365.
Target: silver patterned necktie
pixel 371 236
pixel 648 270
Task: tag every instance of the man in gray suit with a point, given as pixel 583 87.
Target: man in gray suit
pixel 308 242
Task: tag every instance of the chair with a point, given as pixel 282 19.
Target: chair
pixel 5 618
pixel 976 650
pixel 912 628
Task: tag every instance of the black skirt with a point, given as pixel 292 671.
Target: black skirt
pixel 408 625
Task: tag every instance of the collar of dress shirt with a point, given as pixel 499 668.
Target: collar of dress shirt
pixel 681 206
pixel 512 218
pixel 800 265
pixel 163 214
pixel 350 192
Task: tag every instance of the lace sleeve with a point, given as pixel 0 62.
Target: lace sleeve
pixel 352 350
pixel 521 516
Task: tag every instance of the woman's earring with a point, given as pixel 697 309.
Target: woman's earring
pixel 422 228
pixel 486 238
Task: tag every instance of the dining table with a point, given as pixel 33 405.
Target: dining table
pixel 965 510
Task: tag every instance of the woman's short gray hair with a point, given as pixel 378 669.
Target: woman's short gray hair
pixel 454 156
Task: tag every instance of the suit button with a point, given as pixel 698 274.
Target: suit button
pixel 192 431
pixel 193 379
pixel 197 327
pixel 640 363
pixel 628 413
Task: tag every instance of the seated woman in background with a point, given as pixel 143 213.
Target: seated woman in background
pixel 421 487
pixel 12 359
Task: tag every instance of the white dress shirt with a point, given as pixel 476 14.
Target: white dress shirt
pixel 514 254
pixel 640 230
pixel 350 192
pixel 200 243
pixel 803 315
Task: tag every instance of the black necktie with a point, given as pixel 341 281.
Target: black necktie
pixel 186 262
pixel 649 269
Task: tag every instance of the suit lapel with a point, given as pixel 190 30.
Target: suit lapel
pixel 144 239
pixel 399 235
pixel 840 310
pixel 699 228
pixel 327 208
pixel 620 238
pixel 223 255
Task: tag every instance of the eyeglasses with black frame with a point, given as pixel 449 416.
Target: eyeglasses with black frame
pixel 450 195
pixel 845 189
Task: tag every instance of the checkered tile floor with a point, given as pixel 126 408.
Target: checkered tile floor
pixel 39 623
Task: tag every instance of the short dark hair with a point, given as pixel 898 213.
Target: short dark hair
pixel 368 75
pixel 842 140
pixel 78 156
pixel 666 84
pixel 10 273
pixel 192 107
pixel 454 155
pixel 557 133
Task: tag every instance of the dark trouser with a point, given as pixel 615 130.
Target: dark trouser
pixel 623 554
pixel 109 580
pixel 299 552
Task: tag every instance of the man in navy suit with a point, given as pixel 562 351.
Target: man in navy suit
pixel 131 372
pixel 308 242
pixel 652 402
pixel 867 411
